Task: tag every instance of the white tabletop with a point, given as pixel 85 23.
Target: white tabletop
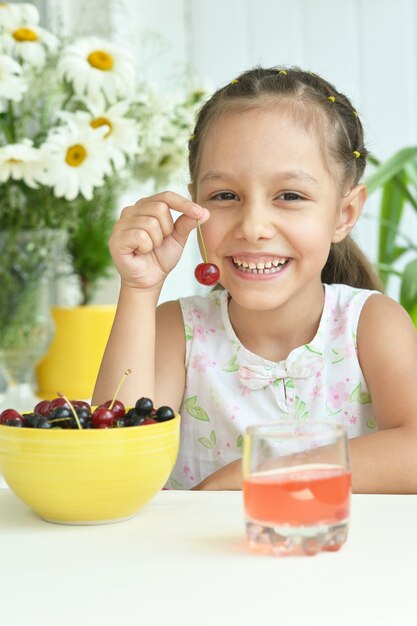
pixel 183 561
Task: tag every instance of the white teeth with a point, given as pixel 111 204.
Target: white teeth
pixel 269 267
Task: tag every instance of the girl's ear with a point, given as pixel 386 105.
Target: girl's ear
pixel 350 211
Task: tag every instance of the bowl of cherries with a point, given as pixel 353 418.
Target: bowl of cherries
pixel 75 464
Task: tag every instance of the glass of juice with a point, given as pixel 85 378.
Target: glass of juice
pixel 296 487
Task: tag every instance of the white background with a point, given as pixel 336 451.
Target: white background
pixel 368 48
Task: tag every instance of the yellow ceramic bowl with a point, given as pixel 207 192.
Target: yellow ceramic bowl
pixel 88 476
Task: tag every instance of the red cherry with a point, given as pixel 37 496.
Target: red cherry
pixel 10 414
pixel 148 420
pixel 118 408
pixel 207 273
pixel 43 407
pixel 81 404
pixel 103 418
pixel 56 403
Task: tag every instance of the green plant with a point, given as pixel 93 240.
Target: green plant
pixel 397 179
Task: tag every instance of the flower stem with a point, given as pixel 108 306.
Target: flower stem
pixel 12 127
pixel 202 242
pixel 6 131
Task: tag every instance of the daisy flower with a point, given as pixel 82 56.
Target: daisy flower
pixel 121 134
pixel 95 67
pixel 12 13
pixel 21 161
pixel 27 41
pixel 76 161
pixel 12 84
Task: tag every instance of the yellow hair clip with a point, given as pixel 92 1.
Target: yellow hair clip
pixel 234 81
pixel 356 154
pixel 283 72
pixel 191 137
pixel 332 99
pixel 355 114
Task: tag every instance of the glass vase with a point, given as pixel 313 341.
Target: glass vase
pixel 29 261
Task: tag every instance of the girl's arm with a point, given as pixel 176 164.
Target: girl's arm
pixel 386 461
pixel 146 244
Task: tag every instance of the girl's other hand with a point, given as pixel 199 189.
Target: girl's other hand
pixel 146 243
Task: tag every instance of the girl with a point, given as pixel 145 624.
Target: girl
pixel 299 330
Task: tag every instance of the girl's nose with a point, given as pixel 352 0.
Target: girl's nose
pixel 254 223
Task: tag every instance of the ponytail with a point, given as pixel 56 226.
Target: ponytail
pixel 347 264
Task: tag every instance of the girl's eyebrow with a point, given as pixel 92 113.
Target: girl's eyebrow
pixel 283 175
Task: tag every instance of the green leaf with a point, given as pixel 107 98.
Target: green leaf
pixel 392 205
pixel 290 383
pixel 357 395
pixel 188 332
pixel 371 423
pixel 209 443
pixel 239 442
pixel 300 406
pixel 408 292
pixel 194 410
pixel 231 365
pixel 389 168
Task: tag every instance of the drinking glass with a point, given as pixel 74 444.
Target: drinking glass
pixel 296 487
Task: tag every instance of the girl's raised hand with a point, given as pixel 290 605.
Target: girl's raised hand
pixel 146 243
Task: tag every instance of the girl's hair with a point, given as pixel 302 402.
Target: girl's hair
pixel 313 102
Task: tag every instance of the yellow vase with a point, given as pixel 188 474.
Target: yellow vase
pixel 71 365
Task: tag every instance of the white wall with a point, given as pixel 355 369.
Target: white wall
pixel 368 48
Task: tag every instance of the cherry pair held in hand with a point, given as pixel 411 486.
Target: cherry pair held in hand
pixel 206 273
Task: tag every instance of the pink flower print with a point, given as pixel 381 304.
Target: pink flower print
pixel 337 395
pixel 316 391
pixel 186 470
pixel 353 419
pixel 339 328
pixel 199 333
pixel 196 313
pixel 201 362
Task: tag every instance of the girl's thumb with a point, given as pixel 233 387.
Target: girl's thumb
pixel 185 224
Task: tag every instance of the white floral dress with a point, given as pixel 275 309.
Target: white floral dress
pixel 229 388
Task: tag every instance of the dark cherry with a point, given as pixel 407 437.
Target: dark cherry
pixel 164 413
pixel 148 420
pixel 83 414
pixel 60 412
pixel 8 414
pixel 14 421
pixel 136 420
pixel 103 418
pixel 43 407
pixel 143 407
pixel 118 408
pixel 207 273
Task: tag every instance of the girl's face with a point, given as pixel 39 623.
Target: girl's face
pixel 274 207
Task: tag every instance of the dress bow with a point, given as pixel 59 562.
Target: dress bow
pixel 260 376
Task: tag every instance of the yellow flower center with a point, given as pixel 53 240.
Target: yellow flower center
pixel 76 155
pixel 25 34
pixel 101 60
pixel 14 160
pixel 102 121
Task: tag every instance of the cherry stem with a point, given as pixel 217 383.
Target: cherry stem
pixel 205 259
pixel 125 375
pixel 74 412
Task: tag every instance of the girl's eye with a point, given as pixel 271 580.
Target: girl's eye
pixel 290 196
pixel 224 195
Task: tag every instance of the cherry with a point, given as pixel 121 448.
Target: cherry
pixel 10 414
pixel 164 413
pixel 103 417
pixel 148 420
pixel 81 404
pixel 43 407
pixel 56 403
pixel 207 273
pixel 118 408
pixel 143 407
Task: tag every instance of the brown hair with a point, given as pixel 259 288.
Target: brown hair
pixel 312 101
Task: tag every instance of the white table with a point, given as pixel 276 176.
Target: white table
pixel 183 561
